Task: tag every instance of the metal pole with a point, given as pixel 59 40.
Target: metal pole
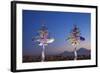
pixel 43 53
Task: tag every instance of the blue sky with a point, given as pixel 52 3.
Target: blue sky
pixel 59 25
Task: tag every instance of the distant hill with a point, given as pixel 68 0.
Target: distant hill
pixel 81 51
pixel 66 53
